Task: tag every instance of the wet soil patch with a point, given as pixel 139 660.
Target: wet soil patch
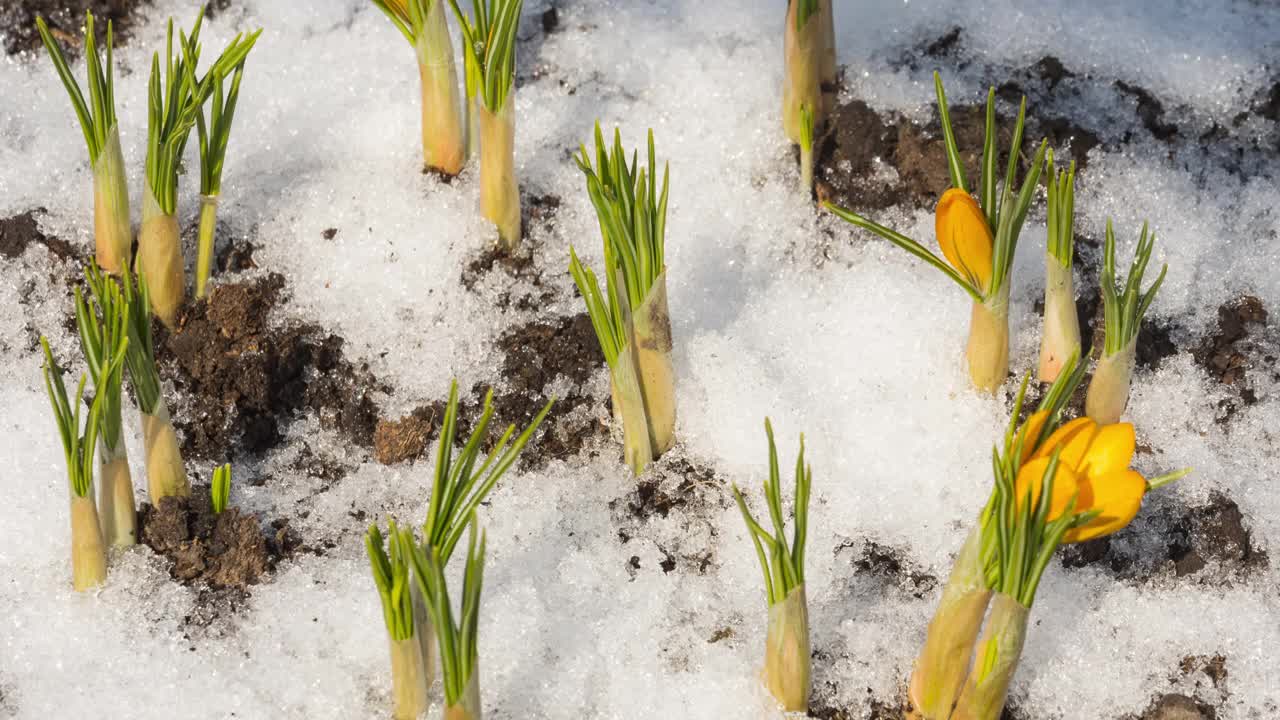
pixel 1209 543
pixel 1240 347
pixel 18 232
pixel 227 550
pixel 534 356
pixel 241 381
pixel 673 489
pixel 887 567
pixel 66 23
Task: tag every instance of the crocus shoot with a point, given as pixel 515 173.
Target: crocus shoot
pixel 220 488
pixel 175 97
pixel 978 238
pixel 1061 337
pixel 113 235
pixel 632 322
pixel 1123 309
pixel 809 53
pixel 213 136
pixel 489 46
pixel 422 22
pixel 88 551
pixel 410 675
pixel 102 321
pixel 458 638
pixel 166 474
pixel 786 662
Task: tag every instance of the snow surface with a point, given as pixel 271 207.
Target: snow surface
pixel 850 341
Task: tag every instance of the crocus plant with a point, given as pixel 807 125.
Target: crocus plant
pixel 489 50
pixel 102 321
pixel 166 473
pixel 422 22
pixel 214 135
pixel 810 56
pixel 1061 337
pixel 978 238
pixel 631 319
pixel 175 97
pixel 1124 306
pixel 113 235
pixel 460 483
pixel 786 661
pixel 410 675
pixel 1054 483
pixel 88 551
pixel 458 635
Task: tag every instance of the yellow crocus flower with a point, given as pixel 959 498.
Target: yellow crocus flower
pixel 1093 467
pixel 965 237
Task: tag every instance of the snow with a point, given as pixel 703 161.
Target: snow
pixel 776 311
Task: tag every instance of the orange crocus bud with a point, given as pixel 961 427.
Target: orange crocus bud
pixel 965 237
pixel 1093 465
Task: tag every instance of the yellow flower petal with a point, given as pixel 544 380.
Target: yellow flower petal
pixel 1074 436
pixel 1110 451
pixel 1118 496
pixel 1065 485
pixel 964 236
pixel 1030 432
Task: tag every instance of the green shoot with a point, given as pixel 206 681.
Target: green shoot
pixel 141 357
pixel 1061 210
pixel 102 322
pixel 489 46
pixel 459 639
pixel 459 486
pixel 98 116
pixel 391 575
pixel 804 11
pixel 781 561
pixel 1124 309
pixel 78 450
pixel 220 488
pixel 213 137
pixel 806 149
pixel 633 218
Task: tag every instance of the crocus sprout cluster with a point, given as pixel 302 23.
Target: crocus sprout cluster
pixel 417 608
pixel 489 46
pixel 978 238
pixel 175 99
pixel 113 235
pixel 1055 483
pixel 102 323
pixel 1061 337
pixel 786 662
pixel 808 94
pixel 88 551
pixel 1124 306
pixel 450 136
pixel 631 319
pixel 423 24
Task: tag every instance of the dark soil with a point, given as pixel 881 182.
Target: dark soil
pixel 1241 344
pixel 1178 707
pixel 241 381
pixel 495 266
pixel 534 355
pixel 887 566
pixel 228 550
pixel 679 488
pixel 1209 543
pixel 66 22
pixel 396 441
pixel 21 231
